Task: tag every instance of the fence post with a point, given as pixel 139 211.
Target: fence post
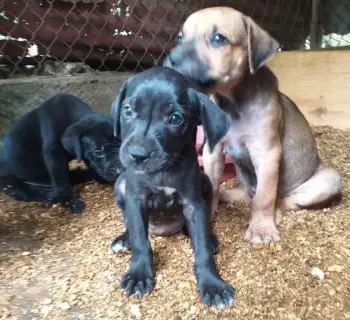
pixel 315 27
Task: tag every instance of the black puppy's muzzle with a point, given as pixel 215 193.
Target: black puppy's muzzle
pixel 184 59
pixel 139 154
pixel 112 174
pixel 108 171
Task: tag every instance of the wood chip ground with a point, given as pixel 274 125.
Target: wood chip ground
pixel 57 266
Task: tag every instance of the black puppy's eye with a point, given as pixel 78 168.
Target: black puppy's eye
pixel 175 119
pixel 218 40
pixel 98 154
pixel 127 111
pixel 179 39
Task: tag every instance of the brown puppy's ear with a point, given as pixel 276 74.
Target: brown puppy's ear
pixel 215 121
pixel 261 46
pixel 71 141
pixel 116 106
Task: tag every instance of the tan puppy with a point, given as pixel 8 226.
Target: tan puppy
pixel 270 141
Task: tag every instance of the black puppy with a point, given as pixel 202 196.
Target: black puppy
pixel 38 146
pixel 155 114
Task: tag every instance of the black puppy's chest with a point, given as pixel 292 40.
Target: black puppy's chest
pixel 162 199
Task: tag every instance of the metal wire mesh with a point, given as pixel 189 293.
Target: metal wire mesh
pixel 63 37
pixel 336 24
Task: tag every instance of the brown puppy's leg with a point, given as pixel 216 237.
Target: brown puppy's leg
pixel 262 226
pixel 319 190
pixel 214 165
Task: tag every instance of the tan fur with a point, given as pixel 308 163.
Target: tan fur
pixel 214 165
pixel 268 134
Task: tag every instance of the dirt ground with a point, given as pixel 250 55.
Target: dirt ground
pixel 57 266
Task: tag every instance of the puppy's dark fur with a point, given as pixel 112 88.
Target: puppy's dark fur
pixel 38 146
pixel 156 114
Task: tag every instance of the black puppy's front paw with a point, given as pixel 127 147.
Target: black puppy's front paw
pixel 217 293
pixel 138 281
pixel 48 203
pixel 121 243
pixel 74 206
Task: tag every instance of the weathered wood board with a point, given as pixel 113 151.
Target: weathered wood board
pixel 318 82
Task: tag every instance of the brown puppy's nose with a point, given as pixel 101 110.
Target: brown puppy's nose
pixel 138 154
pixel 170 61
pixel 179 55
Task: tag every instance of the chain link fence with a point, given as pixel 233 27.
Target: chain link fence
pixel 66 37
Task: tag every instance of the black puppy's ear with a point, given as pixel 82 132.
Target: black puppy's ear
pixel 116 106
pixel 71 141
pixel 261 46
pixel 215 121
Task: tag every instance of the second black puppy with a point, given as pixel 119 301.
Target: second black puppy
pixel 39 145
pixel 155 115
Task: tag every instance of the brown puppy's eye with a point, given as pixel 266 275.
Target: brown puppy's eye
pixel 218 40
pixel 175 119
pixel 98 154
pixel 179 39
pixel 127 111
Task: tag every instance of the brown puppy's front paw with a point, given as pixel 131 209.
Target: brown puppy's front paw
pixel 262 230
pixel 235 194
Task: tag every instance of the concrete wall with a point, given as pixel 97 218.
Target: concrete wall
pixel 21 95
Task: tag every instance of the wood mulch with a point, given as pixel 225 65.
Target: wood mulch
pixel 57 266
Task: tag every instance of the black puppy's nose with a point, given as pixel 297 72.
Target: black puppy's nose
pixel 138 154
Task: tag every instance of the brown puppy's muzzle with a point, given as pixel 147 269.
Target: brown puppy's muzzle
pixel 184 59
